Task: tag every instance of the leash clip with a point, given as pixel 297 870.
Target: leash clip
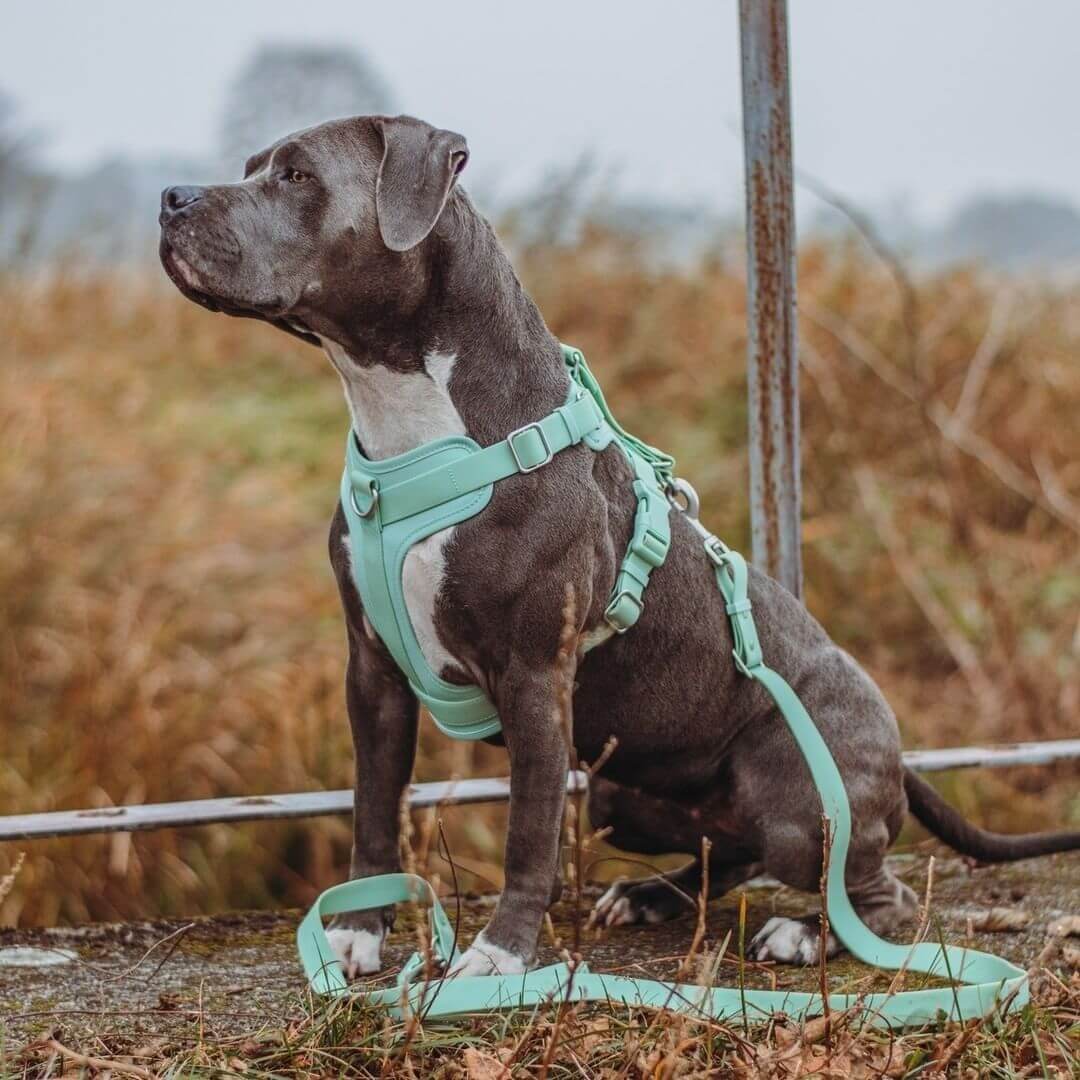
pixel 680 487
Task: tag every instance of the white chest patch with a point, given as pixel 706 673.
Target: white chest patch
pixel 392 413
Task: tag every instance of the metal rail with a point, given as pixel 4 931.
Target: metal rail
pixel 444 792
pixel 248 808
pixel 772 365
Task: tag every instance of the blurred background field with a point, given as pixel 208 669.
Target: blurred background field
pixel 170 628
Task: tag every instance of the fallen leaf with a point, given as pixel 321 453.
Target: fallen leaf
pixel 597 1032
pixel 1066 926
pixel 150 1049
pixel 481 1066
pixel 1001 919
pixel 785 1037
pixel 814 1031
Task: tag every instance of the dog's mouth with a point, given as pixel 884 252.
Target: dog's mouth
pixel 183 276
pixel 187 280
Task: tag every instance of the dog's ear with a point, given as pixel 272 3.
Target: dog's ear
pixel 257 161
pixel 419 166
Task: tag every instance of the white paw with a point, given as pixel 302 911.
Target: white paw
pixel 613 908
pixel 625 905
pixel 358 950
pixel 485 958
pixel 791 941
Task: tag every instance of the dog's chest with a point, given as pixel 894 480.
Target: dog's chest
pixel 394 412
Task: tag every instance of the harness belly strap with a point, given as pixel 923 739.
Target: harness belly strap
pixel 397 502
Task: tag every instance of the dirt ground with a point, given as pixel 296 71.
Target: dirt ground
pixel 221 974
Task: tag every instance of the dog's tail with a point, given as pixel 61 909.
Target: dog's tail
pixel 947 824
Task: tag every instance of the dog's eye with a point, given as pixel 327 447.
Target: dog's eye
pixel 295 176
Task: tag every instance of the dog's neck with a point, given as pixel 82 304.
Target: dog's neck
pixel 476 360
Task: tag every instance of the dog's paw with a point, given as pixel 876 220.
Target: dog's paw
pixel 791 941
pixel 486 958
pixel 358 950
pixel 652 900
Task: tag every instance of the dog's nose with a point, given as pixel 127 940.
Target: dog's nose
pixel 174 199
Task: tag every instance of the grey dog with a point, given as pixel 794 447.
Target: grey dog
pixel 356 236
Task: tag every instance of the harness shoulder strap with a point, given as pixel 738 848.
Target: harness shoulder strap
pixel 522 451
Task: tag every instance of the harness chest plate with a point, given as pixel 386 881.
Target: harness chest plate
pixel 392 504
pixel 378 557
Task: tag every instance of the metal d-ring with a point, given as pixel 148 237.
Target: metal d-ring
pixel 371 506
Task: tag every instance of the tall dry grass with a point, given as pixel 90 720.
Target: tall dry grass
pixel 170 628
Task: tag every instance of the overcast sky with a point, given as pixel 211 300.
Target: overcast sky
pixel 919 98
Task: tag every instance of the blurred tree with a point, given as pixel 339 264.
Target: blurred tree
pixel 24 188
pixel 283 88
pixel 15 141
pixel 1013 230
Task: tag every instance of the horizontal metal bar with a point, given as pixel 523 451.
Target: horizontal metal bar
pixel 448 792
pixel 251 808
pixel 992 757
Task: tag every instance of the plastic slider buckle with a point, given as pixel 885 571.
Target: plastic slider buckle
pixel 611 612
pixel 651 547
pixel 548 454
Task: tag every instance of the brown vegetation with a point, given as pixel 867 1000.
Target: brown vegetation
pixel 169 624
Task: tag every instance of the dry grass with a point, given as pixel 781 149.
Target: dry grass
pixel 304 1037
pixel 170 628
pixel 609 1042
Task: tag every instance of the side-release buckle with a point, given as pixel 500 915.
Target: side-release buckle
pixel 616 615
pixel 651 547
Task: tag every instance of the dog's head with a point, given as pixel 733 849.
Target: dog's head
pixel 327 227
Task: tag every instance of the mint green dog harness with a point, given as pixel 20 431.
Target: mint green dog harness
pixel 397 502
pixel 392 505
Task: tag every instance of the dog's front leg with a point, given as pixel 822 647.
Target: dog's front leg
pixel 383 718
pixel 529 709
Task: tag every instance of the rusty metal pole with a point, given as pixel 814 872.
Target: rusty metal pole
pixel 773 368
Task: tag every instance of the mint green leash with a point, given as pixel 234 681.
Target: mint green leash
pixel 982 982
pixel 391 505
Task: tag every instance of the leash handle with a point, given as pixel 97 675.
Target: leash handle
pixel 323 968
